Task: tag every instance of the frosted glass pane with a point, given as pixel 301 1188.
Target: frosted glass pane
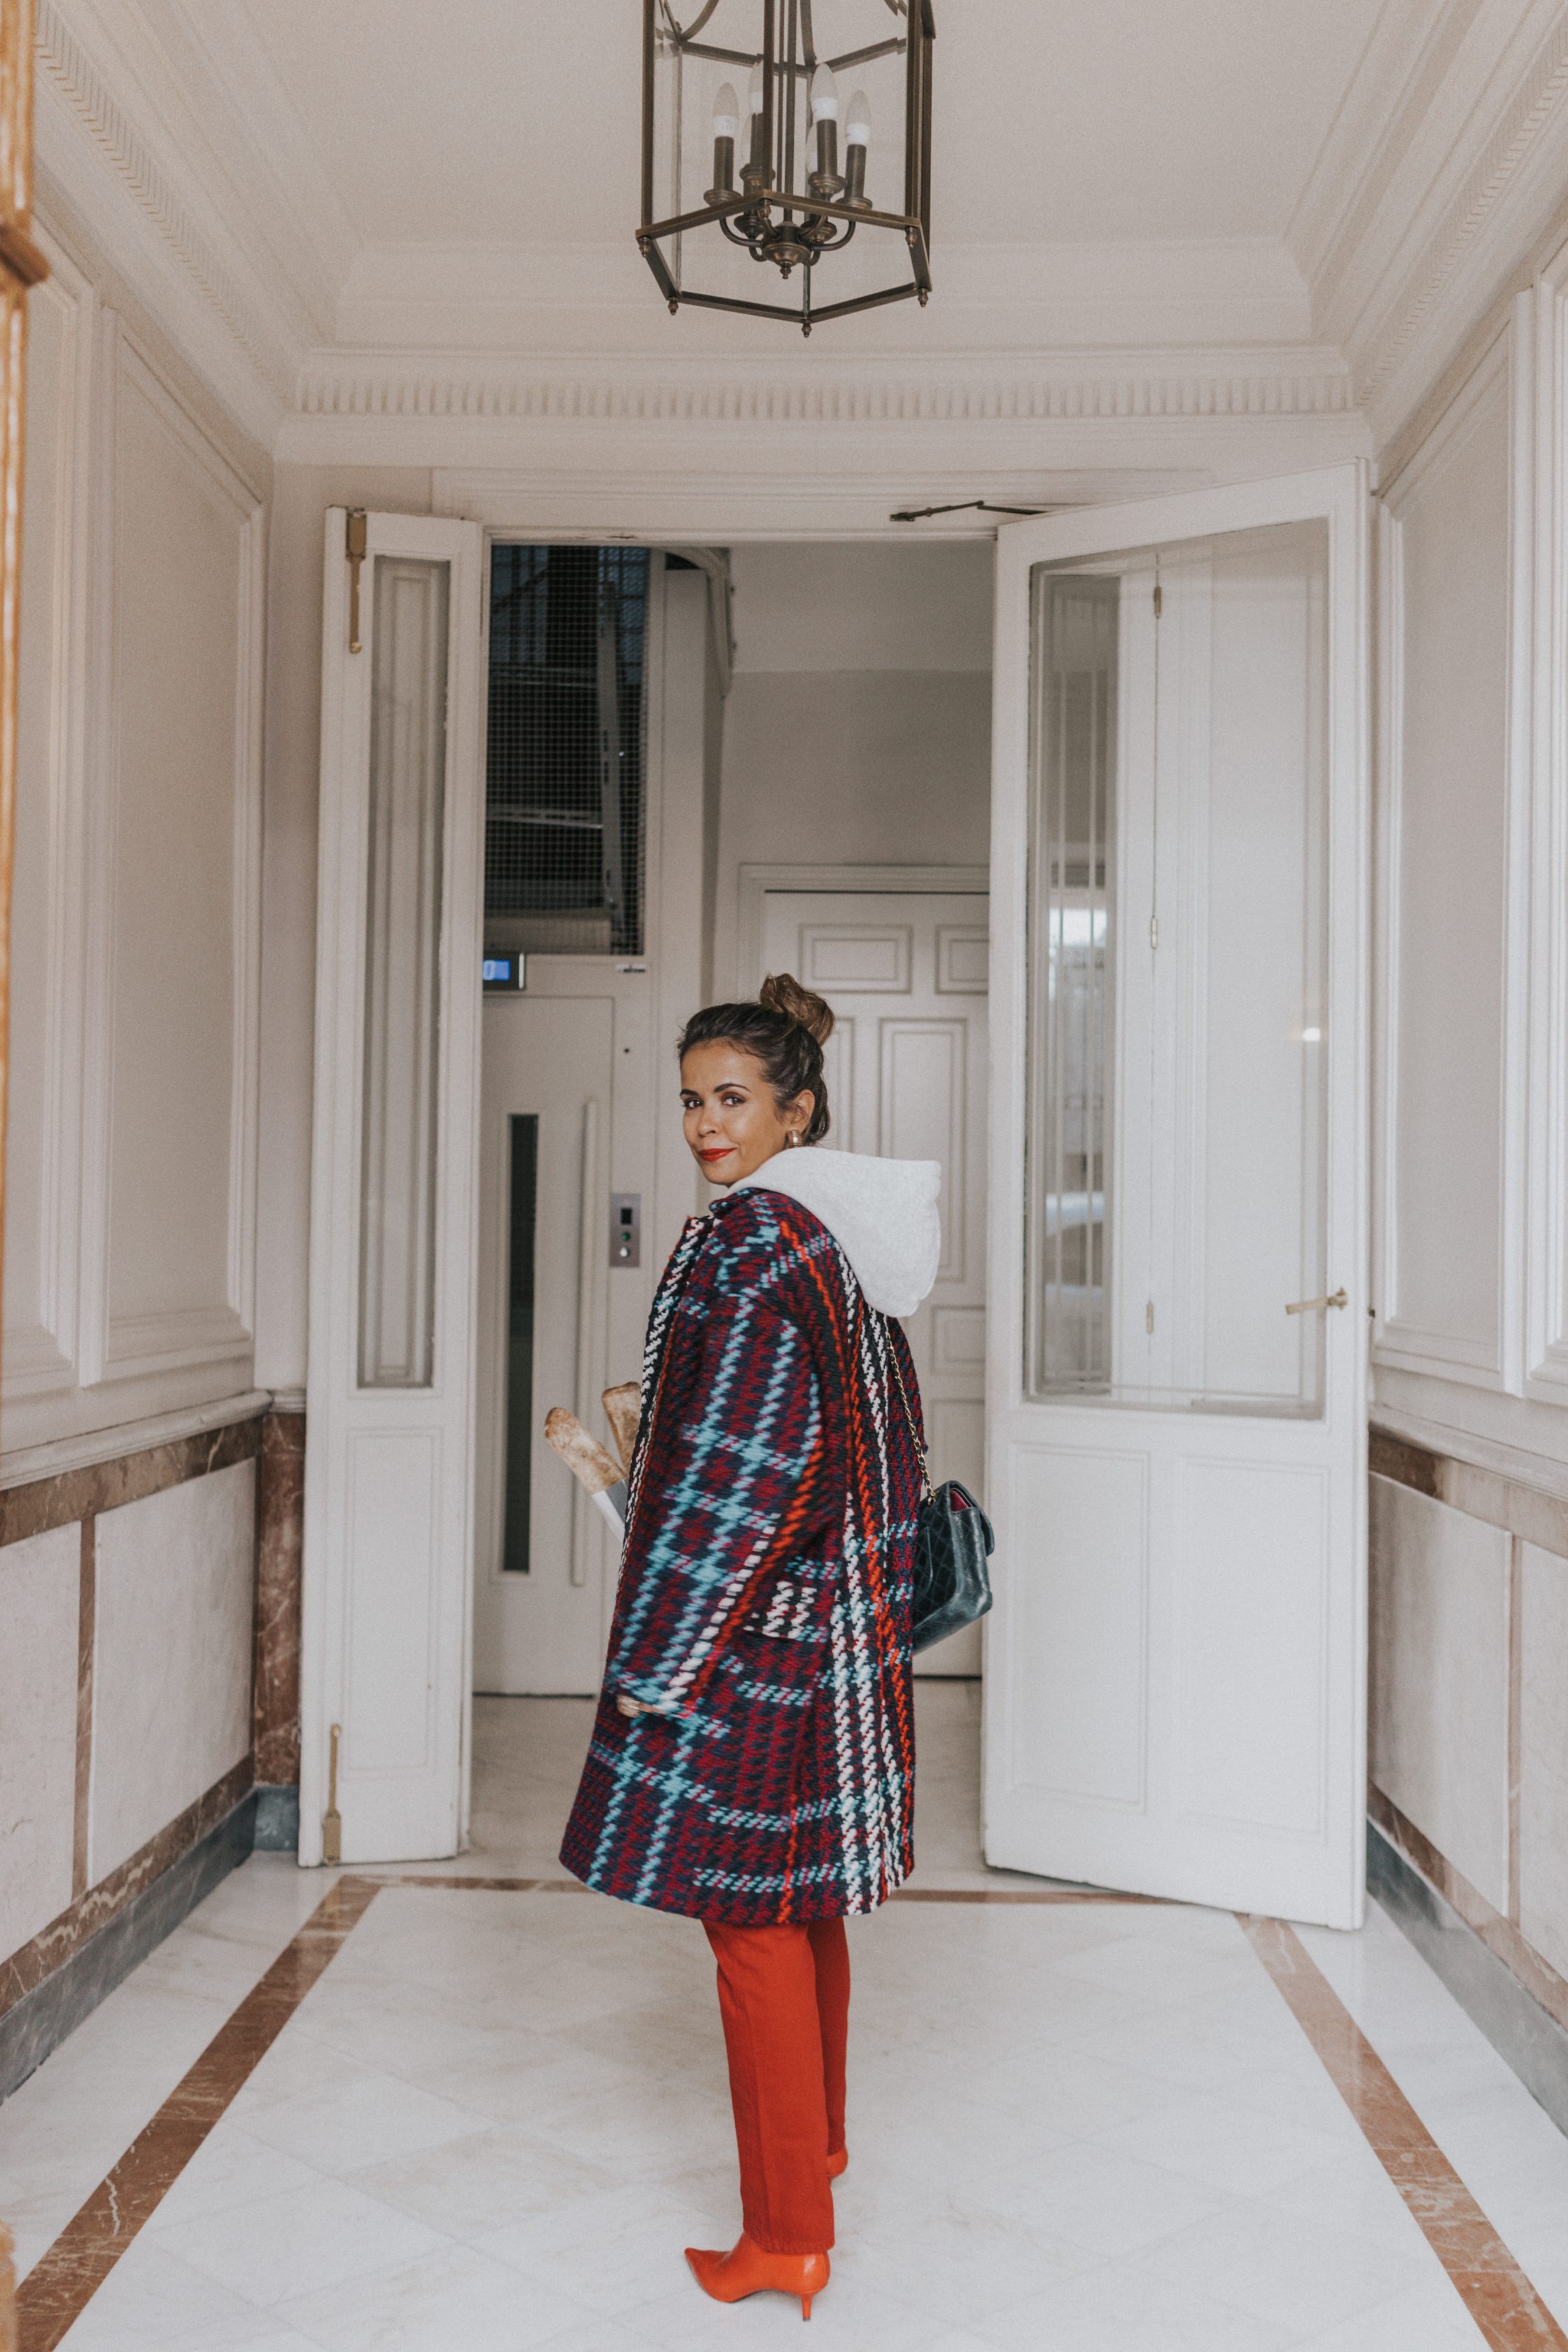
pixel 403 950
pixel 1071 875
pixel 1176 1196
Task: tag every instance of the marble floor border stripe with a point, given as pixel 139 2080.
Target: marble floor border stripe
pixel 56 2291
pixel 1500 2298
pixel 462 1884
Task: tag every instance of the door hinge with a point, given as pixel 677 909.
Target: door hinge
pixel 354 549
pixel 1159 600
pixel 1153 930
pixel 1148 1319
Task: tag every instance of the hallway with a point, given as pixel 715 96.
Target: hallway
pixel 493 2116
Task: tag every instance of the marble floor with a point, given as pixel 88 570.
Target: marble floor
pixel 492 2116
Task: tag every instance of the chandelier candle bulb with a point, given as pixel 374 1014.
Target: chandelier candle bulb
pixel 726 130
pixel 757 101
pixel 825 122
pixel 856 140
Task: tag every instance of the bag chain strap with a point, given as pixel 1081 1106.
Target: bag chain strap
pixel 928 1493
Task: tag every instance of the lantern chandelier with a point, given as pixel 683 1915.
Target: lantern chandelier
pixel 772 105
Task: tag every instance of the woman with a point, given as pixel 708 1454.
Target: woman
pixel 752 1758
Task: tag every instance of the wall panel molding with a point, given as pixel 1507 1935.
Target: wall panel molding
pixel 1402 1340
pixel 1544 341
pixel 41 1354
pixel 189 1336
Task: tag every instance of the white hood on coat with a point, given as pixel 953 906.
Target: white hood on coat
pixel 881 1213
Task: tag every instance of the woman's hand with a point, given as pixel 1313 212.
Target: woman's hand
pixel 631 1706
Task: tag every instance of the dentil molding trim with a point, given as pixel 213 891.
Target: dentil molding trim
pixel 347 386
pixel 67 70
pixel 1536 103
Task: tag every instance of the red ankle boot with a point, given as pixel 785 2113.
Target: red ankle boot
pixel 747 2270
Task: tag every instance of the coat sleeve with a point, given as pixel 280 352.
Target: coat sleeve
pixel 728 1490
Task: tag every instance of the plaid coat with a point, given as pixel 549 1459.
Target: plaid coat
pixel 764 1602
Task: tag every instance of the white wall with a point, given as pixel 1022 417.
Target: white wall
pixel 857 729
pixel 132 1147
pixel 1469 1733
pixel 1441 1307
pixel 132 1135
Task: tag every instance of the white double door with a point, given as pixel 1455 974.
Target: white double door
pixel 906 974
pixel 1175 1665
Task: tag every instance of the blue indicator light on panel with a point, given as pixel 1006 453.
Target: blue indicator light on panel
pixel 496 970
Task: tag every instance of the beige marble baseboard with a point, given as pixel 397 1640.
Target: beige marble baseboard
pixel 72 1495
pixel 54 1945
pixel 1499 1936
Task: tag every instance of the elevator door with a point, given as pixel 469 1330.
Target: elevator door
pixel 543 1573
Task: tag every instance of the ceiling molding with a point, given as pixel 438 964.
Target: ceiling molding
pixel 163 137
pixel 720 504
pixel 77 82
pixel 1448 162
pixel 1175 385
pixel 292 215
pixel 1531 128
pixel 1412 47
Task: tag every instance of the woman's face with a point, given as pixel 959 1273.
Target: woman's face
pixel 732 1121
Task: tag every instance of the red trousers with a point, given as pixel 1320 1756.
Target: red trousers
pixel 783 1994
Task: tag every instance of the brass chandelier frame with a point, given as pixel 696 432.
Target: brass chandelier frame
pixel 796 226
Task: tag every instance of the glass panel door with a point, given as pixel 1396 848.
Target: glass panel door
pixel 1176 1198
pixel 403 970
pixel 1176 1333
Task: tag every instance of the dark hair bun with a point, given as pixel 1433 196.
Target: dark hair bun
pixel 782 994
pixel 785 1026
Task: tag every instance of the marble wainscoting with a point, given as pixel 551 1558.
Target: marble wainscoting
pixel 127 1587
pixel 1469 1753
pixel 280 1544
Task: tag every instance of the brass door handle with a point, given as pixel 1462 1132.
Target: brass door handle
pixel 1305 1306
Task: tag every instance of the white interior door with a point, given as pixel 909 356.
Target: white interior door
pixel 389 1460
pixel 906 974
pixel 544 1574
pixel 1176 1686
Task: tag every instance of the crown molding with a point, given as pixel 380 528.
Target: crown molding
pixel 675 442
pixel 1410 49
pixel 1448 163
pixel 1292 381
pixel 288 207
pixel 138 143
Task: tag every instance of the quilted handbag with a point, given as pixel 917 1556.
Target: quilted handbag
pixel 952 1543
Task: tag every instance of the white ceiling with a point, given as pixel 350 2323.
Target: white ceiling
pixel 1181 210
pixel 507 122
